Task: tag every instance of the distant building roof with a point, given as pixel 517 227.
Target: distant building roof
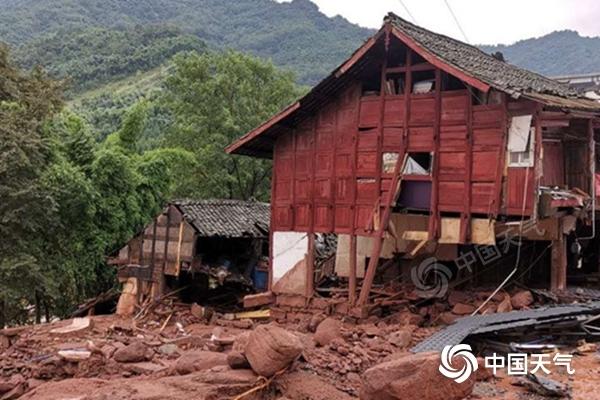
pixel 226 218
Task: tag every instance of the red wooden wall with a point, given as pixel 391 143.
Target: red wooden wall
pixel 328 170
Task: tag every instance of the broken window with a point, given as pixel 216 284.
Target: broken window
pixel 388 162
pixel 423 82
pixel 521 137
pixel 418 164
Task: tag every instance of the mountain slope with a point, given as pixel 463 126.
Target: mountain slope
pixel 558 53
pixel 94 56
pixel 294 35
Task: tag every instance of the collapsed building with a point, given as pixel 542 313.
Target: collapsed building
pixel 420 147
pixel 209 250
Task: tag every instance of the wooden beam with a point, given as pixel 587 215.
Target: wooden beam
pixel 352 271
pixel 310 266
pixel 434 218
pixel 592 159
pixel 433 59
pixel 162 282
pixel 178 259
pixel 378 244
pixel 465 224
pixel 416 67
pixel 558 273
pixel 497 208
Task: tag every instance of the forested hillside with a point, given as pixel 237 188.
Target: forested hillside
pixel 294 35
pixel 559 53
pixel 92 57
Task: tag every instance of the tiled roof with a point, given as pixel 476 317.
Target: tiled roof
pixel 480 65
pixel 226 218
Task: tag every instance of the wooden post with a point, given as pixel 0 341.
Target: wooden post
pixel 153 284
pixel 310 266
pixel 162 282
pixel 352 271
pixel 558 273
pixel 465 224
pixel 433 219
pixel 178 262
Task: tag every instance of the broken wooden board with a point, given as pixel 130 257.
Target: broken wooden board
pixel 77 325
pixel 259 314
pixel 482 231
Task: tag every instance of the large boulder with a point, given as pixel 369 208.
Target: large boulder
pixel 199 360
pixel 271 349
pixel 521 299
pixel 328 330
pixel 135 352
pixel 414 376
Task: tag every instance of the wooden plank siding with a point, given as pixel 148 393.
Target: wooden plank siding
pixel 341 188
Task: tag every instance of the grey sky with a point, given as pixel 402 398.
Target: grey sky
pixel 484 21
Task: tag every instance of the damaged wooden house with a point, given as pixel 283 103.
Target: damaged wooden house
pixel 421 146
pixel 213 251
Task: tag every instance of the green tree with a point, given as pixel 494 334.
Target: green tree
pixel 213 99
pixel 27 102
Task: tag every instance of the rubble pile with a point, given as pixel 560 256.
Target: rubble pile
pixel 172 349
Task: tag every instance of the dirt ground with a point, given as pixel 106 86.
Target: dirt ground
pixel 164 356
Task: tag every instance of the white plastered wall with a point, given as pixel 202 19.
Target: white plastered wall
pixel 288 249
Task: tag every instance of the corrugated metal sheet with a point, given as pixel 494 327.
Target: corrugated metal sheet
pixel 478 324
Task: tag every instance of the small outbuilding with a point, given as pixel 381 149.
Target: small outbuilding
pixel 215 249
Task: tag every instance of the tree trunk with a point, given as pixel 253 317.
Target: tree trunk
pixel 38 308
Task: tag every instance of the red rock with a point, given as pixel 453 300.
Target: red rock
pixel 295 301
pixel 277 314
pixel 4 343
pixel 505 305
pixel 455 297
pixel 240 342
pixel 407 318
pixel 237 360
pixel 415 376
pixel 10 384
pixel 198 311
pixel 271 349
pixel 401 338
pixel 135 352
pixel 463 309
pixel 483 373
pixel 521 299
pixel 328 330
pixel 320 303
pixel 198 360
pixel 259 299
pixel 145 368
pixel 448 318
pixel 315 320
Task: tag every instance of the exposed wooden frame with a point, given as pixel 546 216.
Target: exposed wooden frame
pixel 465 224
pixel 558 270
pixel 162 283
pixel 434 218
pixel 352 271
pixel 179 240
pixel 497 209
pixel 438 63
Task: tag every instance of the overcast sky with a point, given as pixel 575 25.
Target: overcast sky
pixel 484 21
